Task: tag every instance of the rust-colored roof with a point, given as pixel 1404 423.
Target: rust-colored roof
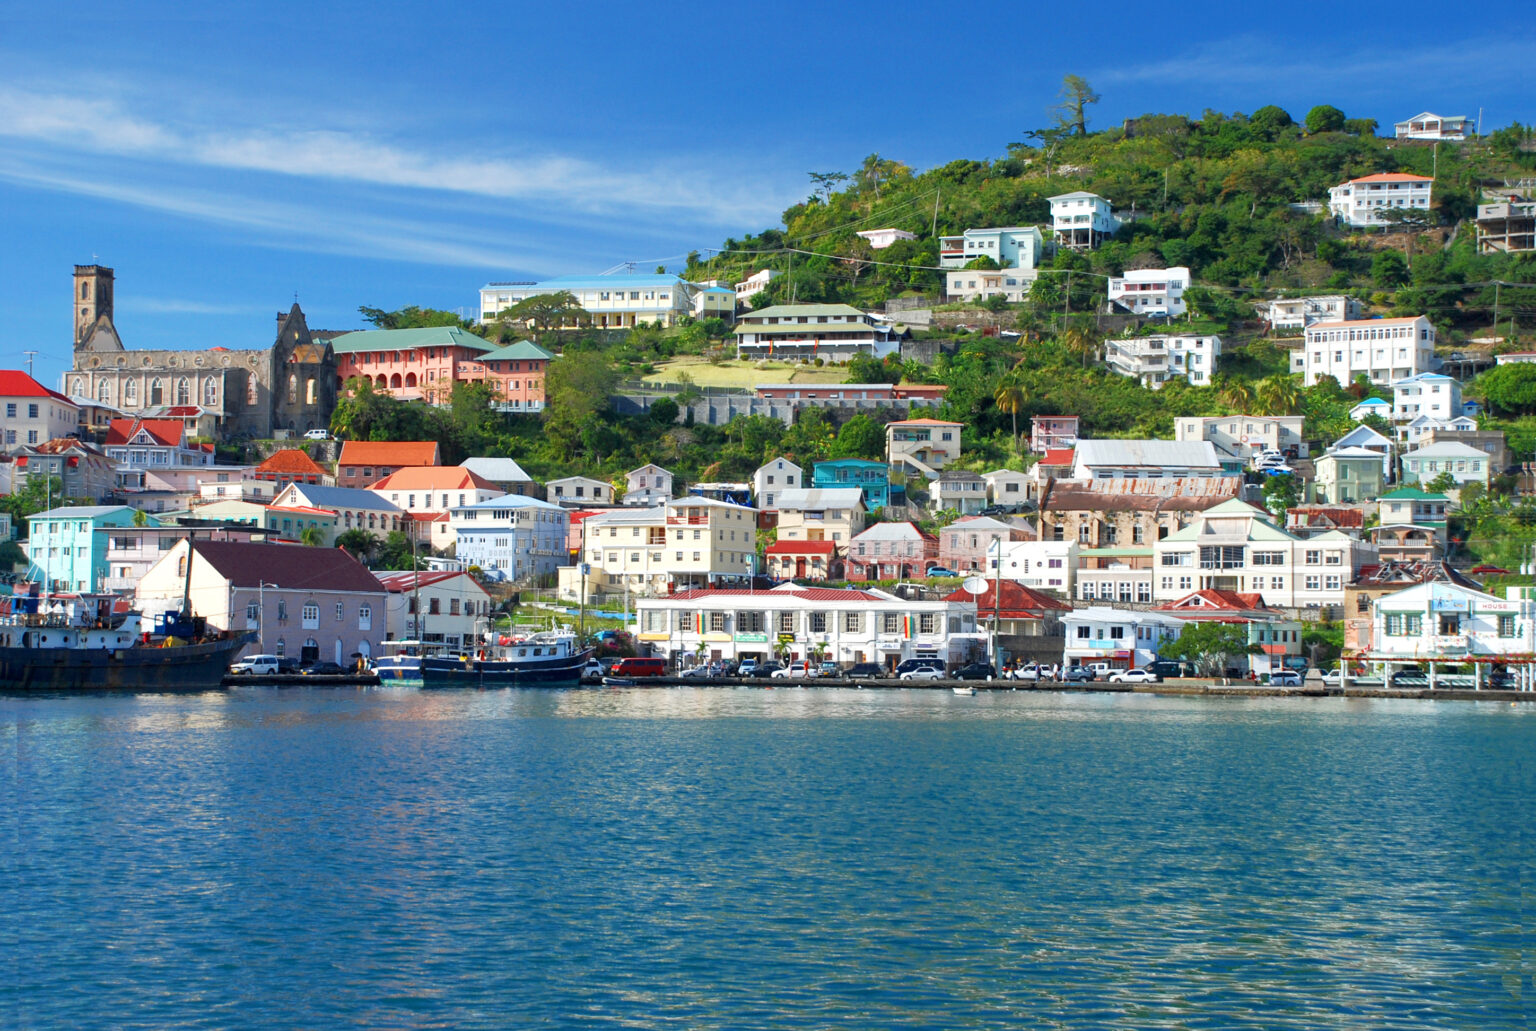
pixel 166 432
pixel 288 566
pixel 1397 575
pixel 1018 601
pixel 434 477
pixel 1393 177
pixel 1346 518
pixel 291 462
pixel 1057 456
pixel 395 454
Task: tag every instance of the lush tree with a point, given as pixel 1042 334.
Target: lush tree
pixel 663 411
pixel 359 543
pixel 1011 397
pixel 1270 120
pixel 860 437
pixel 413 317
pixel 1389 269
pixel 1072 112
pixel 1508 389
pixel 397 553
pixel 1280 493
pixel 1209 645
pixel 312 536
pixel 1325 118
pixel 35 496
pixel 543 312
pixel 826 181
pixel 1442 483
pixel 983 262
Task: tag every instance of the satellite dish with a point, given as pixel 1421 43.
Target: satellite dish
pixel 975 584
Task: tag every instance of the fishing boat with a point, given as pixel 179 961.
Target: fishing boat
pixel 85 643
pixel 401 661
pixel 541 658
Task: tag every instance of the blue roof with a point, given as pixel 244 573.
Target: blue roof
pixel 344 497
pixel 513 501
pixel 1423 376
pixel 719 290
pixel 1374 401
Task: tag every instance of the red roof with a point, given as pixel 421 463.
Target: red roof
pixel 1347 517
pixel 1057 456
pixel 166 432
pixel 800 548
pixel 808 593
pixel 398 583
pixel 392 453
pixel 287 566
pixel 1393 177
pixel 1017 601
pixel 291 462
pixel 1212 603
pixel 434 477
pixel 15 383
pixel 183 411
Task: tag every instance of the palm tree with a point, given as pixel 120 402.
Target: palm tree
pixel 1080 342
pixel 1236 395
pixel 360 543
pixel 1011 397
pixel 312 537
pixel 1278 395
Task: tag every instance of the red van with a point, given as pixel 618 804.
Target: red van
pixel 639 668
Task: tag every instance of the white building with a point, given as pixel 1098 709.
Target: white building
pixel 833 514
pixel 843 626
pixel 1371 406
pixel 436 606
pixel 772 478
pixel 1082 220
pixel 1120 638
pixel 1428 393
pixel 579 492
pixel 1384 350
pixel 1008 486
pixel 1445 623
pixel 648 485
pixel 803 332
pixel 1465 464
pixel 1151 291
pixel 1301 312
pixel 1154 360
pixel 1043 565
pixel 979 284
pixel 688 542
pixel 1241 436
pixel 1235 546
pixel 611 302
pixel 33 413
pixel 1360 202
pixel 513 537
pixel 753 285
pixel 880 239
pixel 1011 247
pixel 1144 459
pixel 1426 125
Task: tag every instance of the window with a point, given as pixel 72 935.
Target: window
pixel 1333 558
pixel 311 615
pixel 749 622
pixel 252 612
pixel 890 623
pixel 926 623
pixel 717 622
pixel 341 611
pixel 1413 624
pixel 1506 626
pixel 1221 557
pixel 1177 558
pixel 1269 558
pixel 1314 583
pixel 1314 558
pixel 853 623
pixel 786 622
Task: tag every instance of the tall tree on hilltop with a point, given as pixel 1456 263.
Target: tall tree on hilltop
pixel 1011 397
pixel 826 181
pixel 1072 112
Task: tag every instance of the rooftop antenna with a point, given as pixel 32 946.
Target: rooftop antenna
pixel 30 355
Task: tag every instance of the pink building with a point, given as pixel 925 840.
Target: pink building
pixel 963 544
pixel 517 372
pixel 1049 432
pixel 891 551
pixel 409 364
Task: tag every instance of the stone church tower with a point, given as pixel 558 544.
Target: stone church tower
pixel 93 310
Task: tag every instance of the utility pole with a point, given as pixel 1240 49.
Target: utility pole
pixel 1496 285
pixel 30 355
pixel 934 229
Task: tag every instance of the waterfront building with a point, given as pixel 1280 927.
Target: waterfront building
pixel 1116 638
pixel 439 607
pixel 511 537
pixel 67 547
pixel 312 603
pixel 1274 636
pixel 132 551
pixel 1437 624
pixel 807 623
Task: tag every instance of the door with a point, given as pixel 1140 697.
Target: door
pixel 310 651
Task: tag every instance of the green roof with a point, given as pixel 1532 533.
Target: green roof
pixel 1411 494
pixel 402 339
pixel 775 311
pixel 523 349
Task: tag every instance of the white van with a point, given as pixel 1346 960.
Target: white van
pixel 256 665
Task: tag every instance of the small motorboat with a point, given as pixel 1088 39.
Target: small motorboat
pixel 966 690
pixel 618 681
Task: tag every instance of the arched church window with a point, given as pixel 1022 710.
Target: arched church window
pixel 77 387
pixel 85 291
pixel 131 392
pixel 183 391
pixel 293 388
pixel 156 391
pixel 250 389
pixel 309 391
pixel 104 392
pixel 210 391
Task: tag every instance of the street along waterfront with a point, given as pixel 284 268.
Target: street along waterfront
pixel 708 858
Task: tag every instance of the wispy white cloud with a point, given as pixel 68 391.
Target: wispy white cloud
pixel 181 306
pixel 707 191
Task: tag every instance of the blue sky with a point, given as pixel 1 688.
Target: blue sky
pixel 383 155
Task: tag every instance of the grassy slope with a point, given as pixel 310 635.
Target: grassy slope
pixel 744 374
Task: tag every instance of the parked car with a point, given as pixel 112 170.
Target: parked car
pixel 907 665
pixel 795 670
pixel 923 673
pixel 864 671
pixel 975 671
pixel 1169 668
pixel 593 668
pixel 746 668
pixel 941 571
pixel 699 672
pixel 829 669
pixel 323 669
pixel 1409 678
pixel 287 664
pixel 1078 674
pixel 1033 671
pixel 317 435
pixel 638 667
pixel 1285 678
pixel 1134 676
pixel 255 665
pixel 764 669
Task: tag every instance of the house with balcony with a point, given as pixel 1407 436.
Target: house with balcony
pixel 1010 247
pixel 363 463
pixel 1506 226
pixel 804 332
pixel 1048 432
pixel 143 444
pixel 974 284
pixel 686 542
pixel 891 551
pixel 1243 436
pixel 753 285
pixel 579 492
pixel 1154 360
pixel 619 301
pixel 1411 525
pixel 1437 624
pixel 1345 476
pixel 1426 125
pixel 1290 313
pixel 1114 574
pixel 924 445
pixel 1119 638
pixel 310 603
pixel 648 485
pixel 1082 220
pixel 1275 637
pixel 1360 202
pixel 793 622
pixel 409 364
pixel 771 479
pixel 1428 394
pixel 873 478
pixel 512 537
pixel 1235 547
pixel 67 547
pixel 438 606
pixel 1151 291
pixel 1383 350
pixel 958 490
pixel 131 552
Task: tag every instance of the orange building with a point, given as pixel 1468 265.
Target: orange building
pixel 293 466
pixel 364 462
pixel 517 372
pixel 409 364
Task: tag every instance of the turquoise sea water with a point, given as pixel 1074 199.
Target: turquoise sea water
pixel 721 858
